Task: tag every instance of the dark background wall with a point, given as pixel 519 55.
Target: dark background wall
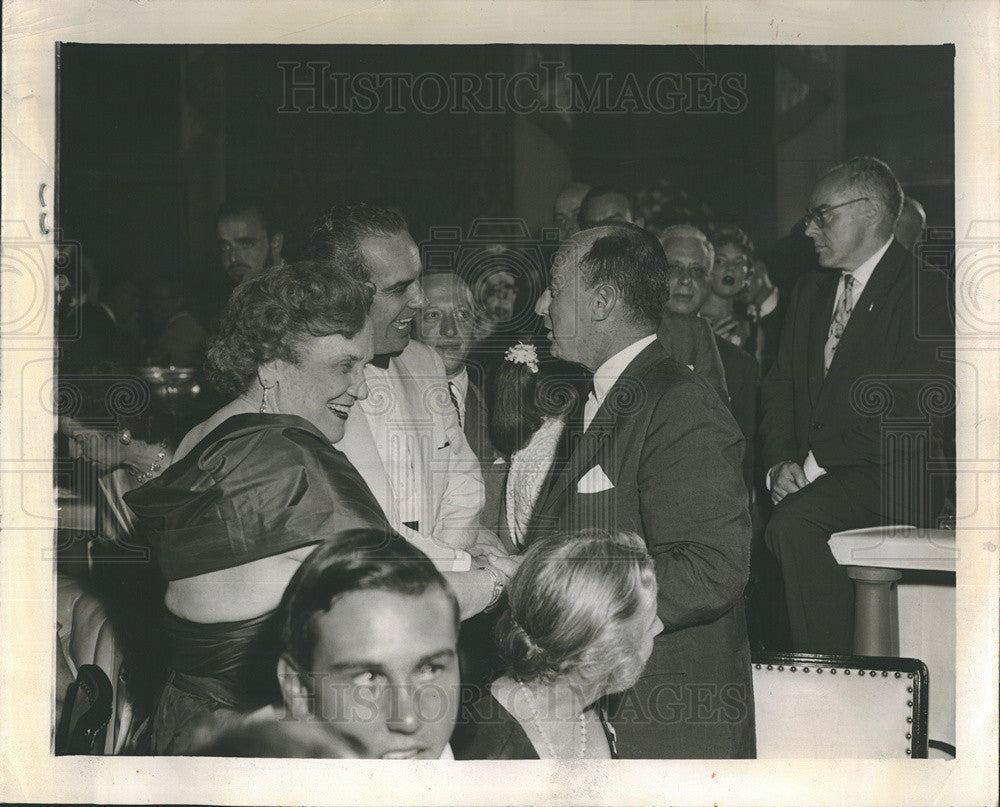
pixel 151 138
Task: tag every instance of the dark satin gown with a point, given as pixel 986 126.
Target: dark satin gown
pixel 256 486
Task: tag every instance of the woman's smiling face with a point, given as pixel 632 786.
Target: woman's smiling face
pixel 325 383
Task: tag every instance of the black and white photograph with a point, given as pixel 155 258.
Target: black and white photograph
pixel 381 393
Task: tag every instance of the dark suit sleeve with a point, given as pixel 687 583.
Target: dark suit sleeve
pixel 777 424
pixel 693 506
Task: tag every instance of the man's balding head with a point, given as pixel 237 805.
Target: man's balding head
pixel 604 282
pixel 852 212
pixel 910 225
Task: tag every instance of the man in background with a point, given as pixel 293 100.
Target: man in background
pixel 607 204
pixel 249 239
pixel 822 438
pixel 566 208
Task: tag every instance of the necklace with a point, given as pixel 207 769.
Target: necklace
pixel 536 721
pixel 154 466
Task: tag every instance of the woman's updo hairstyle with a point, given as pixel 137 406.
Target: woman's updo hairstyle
pixel 270 315
pixel 567 603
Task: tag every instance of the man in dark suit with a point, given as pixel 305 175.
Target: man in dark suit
pixel 655 451
pixel 850 368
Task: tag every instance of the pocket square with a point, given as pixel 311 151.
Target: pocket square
pixel 594 481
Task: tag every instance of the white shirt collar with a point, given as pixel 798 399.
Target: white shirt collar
pixel 461 382
pixel 863 272
pixel 607 374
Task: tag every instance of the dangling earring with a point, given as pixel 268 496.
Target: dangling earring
pixel 263 398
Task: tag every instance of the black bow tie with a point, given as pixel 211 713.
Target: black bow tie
pixel 381 360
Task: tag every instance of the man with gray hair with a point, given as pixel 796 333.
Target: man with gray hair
pixel 690 256
pixel 850 333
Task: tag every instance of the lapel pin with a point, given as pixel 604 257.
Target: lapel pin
pixel 870 307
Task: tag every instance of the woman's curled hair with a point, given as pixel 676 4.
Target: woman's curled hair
pixel 567 605
pixel 269 316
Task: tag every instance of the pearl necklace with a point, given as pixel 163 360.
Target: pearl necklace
pixel 533 709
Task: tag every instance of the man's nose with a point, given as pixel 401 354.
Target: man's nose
pixel 542 306
pixel 448 326
pixel 416 297
pixel 812 229
pixel 402 714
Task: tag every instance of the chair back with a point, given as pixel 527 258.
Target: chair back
pixel 826 707
pixel 85 636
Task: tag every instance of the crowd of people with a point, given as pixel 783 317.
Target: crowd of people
pixel 483 514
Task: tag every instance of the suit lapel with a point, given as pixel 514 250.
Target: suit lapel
pixel 867 309
pixel 820 315
pixel 588 448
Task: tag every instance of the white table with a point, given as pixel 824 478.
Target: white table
pixel 905 604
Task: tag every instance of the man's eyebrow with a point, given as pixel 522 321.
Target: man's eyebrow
pixel 444 654
pixel 352 665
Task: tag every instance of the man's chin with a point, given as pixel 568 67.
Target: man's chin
pixel 392 345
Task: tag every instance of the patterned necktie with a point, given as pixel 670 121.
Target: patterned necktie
pixel 840 316
pixel 452 393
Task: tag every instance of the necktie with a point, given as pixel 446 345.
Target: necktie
pixel 590 407
pixel 841 315
pixel 454 402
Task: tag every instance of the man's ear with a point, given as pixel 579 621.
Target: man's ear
pixel 294 692
pixel 605 299
pixel 277 243
pixel 874 211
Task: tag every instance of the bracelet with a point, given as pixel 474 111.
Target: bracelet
pixel 498 585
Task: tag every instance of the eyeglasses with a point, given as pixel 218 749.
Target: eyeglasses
pixel 818 214
pixel 681 272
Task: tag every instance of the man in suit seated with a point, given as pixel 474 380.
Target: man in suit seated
pixel 850 362
pixel 690 259
pixel 655 451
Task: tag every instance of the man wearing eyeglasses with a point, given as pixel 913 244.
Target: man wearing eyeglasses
pixel 849 364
